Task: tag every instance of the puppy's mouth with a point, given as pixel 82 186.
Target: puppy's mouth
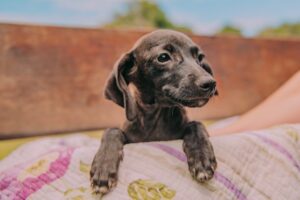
pixel 189 102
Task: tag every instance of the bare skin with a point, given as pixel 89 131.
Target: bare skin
pixel 283 106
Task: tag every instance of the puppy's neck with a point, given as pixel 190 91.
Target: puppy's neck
pixel 147 107
pixel 144 99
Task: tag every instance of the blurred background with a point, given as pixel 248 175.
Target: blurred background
pixel 55 56
pixel 255 18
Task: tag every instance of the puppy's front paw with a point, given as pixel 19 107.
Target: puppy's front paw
pixel 104 171
pixel 202 164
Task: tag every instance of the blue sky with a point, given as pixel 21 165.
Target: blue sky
pixel 203 16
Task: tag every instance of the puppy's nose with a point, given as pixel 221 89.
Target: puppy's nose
pixel 208 86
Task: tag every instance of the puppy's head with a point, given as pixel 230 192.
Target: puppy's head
pixel 167 68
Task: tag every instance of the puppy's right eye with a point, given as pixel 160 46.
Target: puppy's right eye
pixel 201 57
pixel 164 57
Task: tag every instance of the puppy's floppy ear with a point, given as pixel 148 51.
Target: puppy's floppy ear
pixel 117 89
pixel 208 69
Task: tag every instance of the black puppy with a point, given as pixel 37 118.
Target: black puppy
pixel 164 72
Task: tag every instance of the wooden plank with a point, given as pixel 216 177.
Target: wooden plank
pixel 51 78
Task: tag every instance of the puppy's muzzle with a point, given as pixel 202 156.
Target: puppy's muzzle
pixel 208 88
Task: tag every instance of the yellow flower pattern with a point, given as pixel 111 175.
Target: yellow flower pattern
pixel 149 190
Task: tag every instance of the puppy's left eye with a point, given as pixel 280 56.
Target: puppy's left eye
pixel 164 57
pixel 201 57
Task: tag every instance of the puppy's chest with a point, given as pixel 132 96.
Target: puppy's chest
pixel 166 130
pixel 167 125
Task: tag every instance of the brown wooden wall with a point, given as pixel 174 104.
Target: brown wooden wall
pixel 51 78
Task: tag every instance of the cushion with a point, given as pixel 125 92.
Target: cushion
pixel 261 164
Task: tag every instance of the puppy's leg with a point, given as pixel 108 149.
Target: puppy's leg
pixel 199 151
pixel 104 169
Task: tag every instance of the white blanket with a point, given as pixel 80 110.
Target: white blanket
pixel 251 166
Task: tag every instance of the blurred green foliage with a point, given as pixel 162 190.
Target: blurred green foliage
pixel 229 30
pixel 144 14
pixel 285 30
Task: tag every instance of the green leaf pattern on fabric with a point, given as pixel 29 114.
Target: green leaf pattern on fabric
pixel 149 190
